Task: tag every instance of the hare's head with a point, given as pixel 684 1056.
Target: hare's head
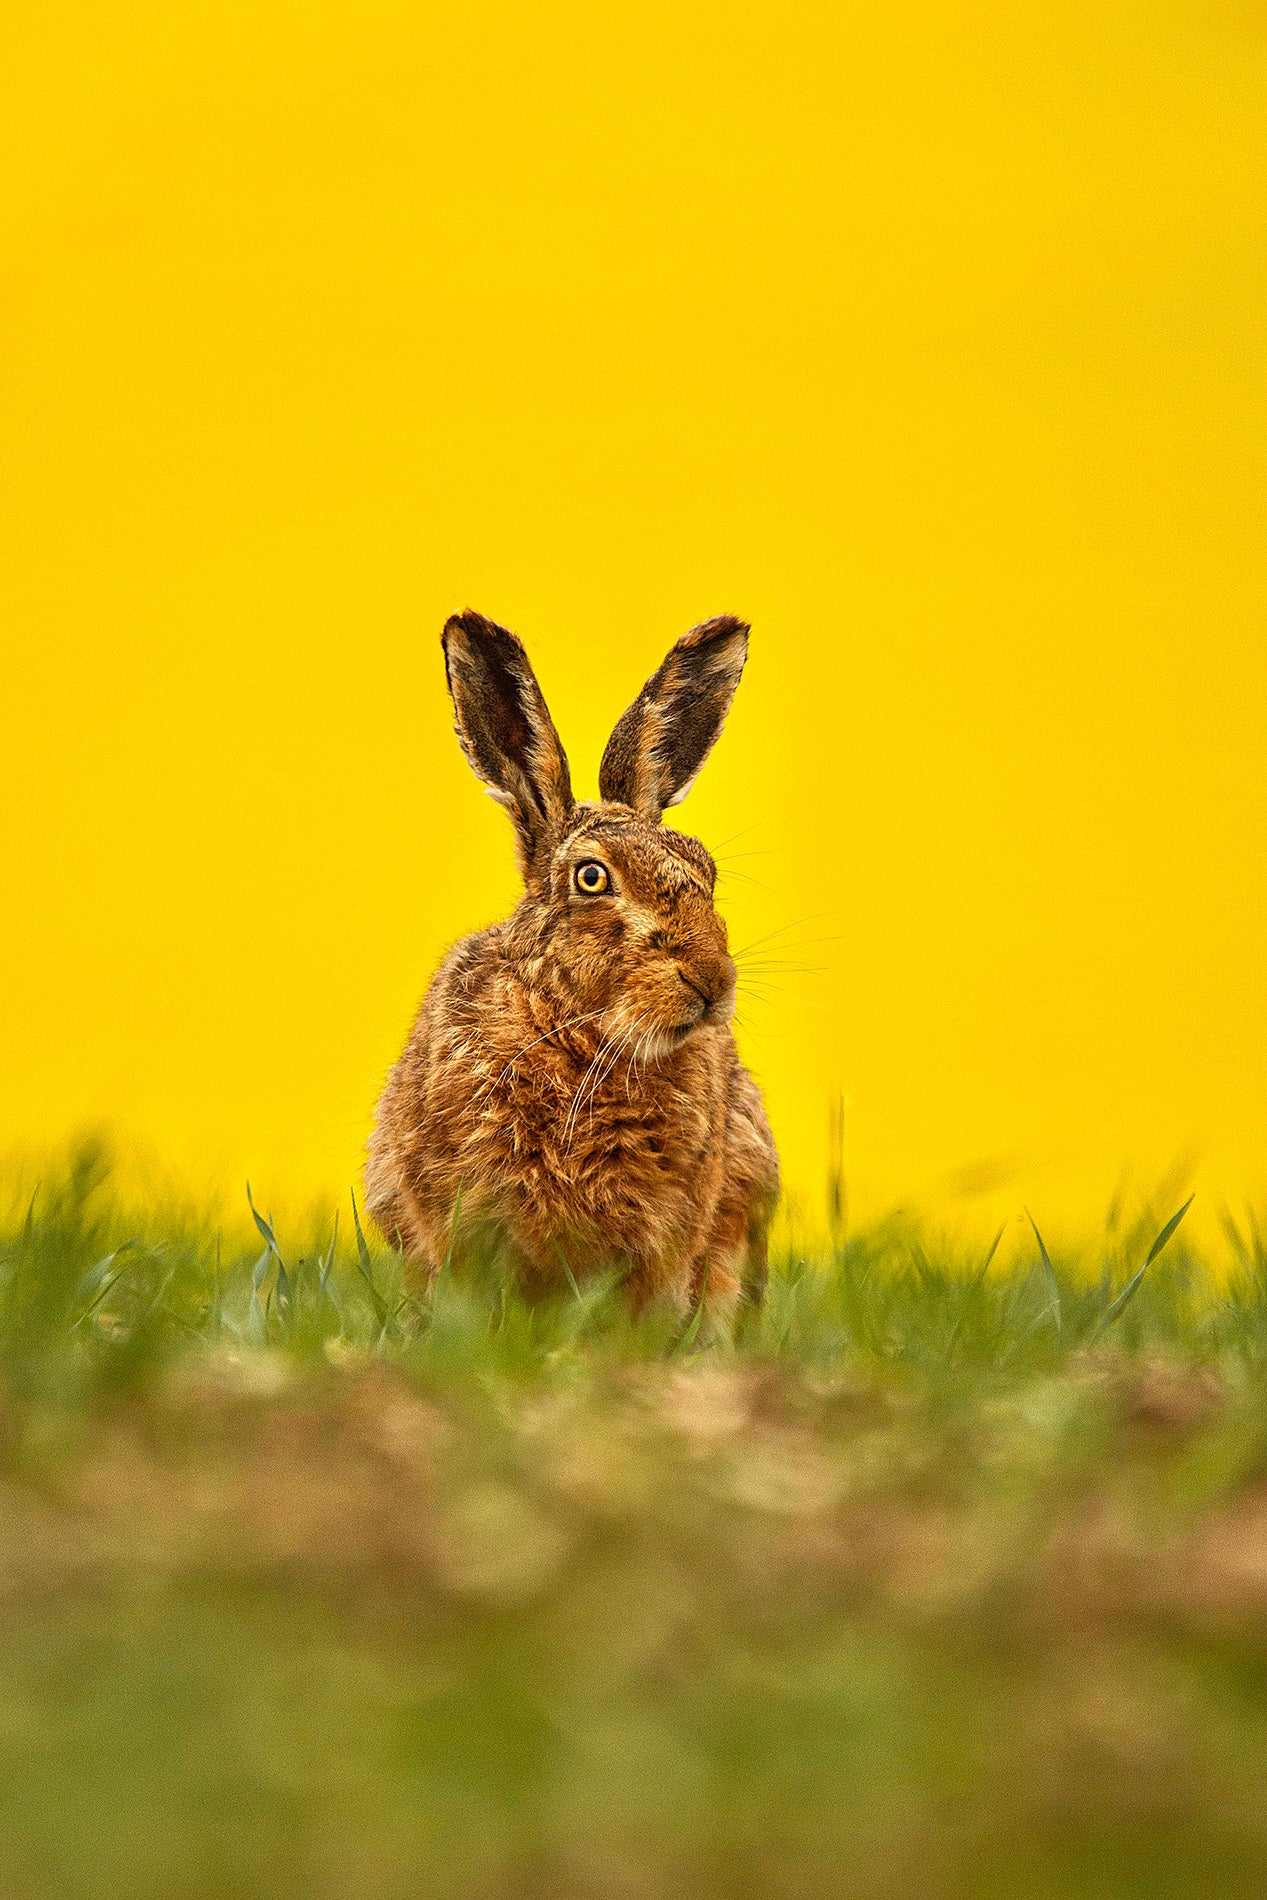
pixel 617 921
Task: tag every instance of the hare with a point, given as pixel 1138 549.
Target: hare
pixel 571 1091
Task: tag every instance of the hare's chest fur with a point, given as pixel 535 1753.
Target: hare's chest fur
pixel 605 1159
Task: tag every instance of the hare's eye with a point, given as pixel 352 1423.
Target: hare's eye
pixel 591 877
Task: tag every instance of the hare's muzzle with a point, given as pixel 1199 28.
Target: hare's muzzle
pixel 713 992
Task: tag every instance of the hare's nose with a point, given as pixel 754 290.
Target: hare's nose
pixel 705 996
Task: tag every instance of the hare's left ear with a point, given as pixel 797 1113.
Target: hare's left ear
pixel 663 739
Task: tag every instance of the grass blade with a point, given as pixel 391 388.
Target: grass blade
pixel 1049 1274
pixel 1127 1294
pixel 101 1278
pixel 257 1314
pixel 1133 1284
pixel 689 1336
pixel 567 1268
pixel 984 1268
pixel 364 1266
pixel 327 1264
pixel 1166 1232
pixel 265 1226
pixel 972 1287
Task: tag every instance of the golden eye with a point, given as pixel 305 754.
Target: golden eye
pixel 591 877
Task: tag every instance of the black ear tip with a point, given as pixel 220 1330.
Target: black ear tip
pixel 476 630
pixel 710 632
pixel 468 622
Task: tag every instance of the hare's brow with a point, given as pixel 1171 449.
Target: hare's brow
pixel 599 827
pixel 690 853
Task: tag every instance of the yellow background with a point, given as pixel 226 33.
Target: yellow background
pixel 930 338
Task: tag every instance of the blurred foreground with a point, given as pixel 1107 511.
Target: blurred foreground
pixel 942 1580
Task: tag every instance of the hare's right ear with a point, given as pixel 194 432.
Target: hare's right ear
pixel 506 731
pixel 662 740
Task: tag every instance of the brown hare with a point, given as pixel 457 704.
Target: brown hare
pixel 571 1091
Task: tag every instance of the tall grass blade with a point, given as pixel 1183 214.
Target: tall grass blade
pixel 100 1280
pixel 1133 1284
pixel 973 1287
pixel 1234 1235
pixel 690 1335
pixel 327 1263
pixel 1166 1232
pixel 364 1266
pixel 257 1318
pixel 265 1226
pixel 257 1313
pixel 1049 1275
pixel 571 1277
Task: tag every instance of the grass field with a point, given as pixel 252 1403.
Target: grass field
pixel 942 1579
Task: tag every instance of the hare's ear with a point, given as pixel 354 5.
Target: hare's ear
pixel 506 732
pixel 661 742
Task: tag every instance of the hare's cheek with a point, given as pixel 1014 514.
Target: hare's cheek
pixel 658 992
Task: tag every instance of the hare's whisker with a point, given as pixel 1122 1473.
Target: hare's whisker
pixel 574 1105
pixel 598 1083
pixel 634 1070
pixel 812 918
pixel 644 1051
pixel 747 829
pixel 804 943
pixel 554 1029
pixel 613 1045
pixel 780 963
pixel 591 1072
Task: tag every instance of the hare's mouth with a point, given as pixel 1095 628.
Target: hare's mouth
pixel 678 1032
pixel 700 995
pixel 661 1041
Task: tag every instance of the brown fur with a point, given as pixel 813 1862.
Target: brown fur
pixel 571 1082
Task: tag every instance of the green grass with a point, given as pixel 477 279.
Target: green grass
pixel 945 1577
